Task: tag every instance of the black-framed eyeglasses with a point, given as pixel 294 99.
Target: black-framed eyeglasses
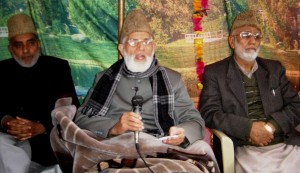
pixel 135 42
pixel 247 35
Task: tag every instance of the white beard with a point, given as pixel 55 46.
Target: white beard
pixel 27 65
pixel 249 57
pixel 137 66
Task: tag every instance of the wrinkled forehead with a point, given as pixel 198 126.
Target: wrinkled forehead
pixel 247 28
pixel 23 38
pixel 139 35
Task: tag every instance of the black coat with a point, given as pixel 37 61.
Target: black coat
pixel 223 102
pixel 31 93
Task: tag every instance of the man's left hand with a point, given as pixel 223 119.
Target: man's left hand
pixel 179 132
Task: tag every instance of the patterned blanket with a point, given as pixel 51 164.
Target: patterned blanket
pixel 80 151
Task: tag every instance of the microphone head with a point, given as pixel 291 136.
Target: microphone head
pixel 137 100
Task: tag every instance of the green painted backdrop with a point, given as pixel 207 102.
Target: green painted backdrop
pixel 85 33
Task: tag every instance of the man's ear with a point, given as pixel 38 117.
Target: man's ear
pixel 154 46
pixel 39 43
pixel 9 47
pixel 121 49
pixel 231 41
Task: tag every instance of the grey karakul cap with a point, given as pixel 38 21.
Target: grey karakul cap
pixel 246 18
pixel 20 24
pixel 135 21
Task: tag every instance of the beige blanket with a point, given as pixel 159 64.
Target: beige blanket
pixel 80 151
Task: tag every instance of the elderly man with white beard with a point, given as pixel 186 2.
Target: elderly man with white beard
pixel 140 113
pixel 251 100
pixel 167 109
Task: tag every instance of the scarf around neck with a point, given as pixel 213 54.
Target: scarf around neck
pixel 163 96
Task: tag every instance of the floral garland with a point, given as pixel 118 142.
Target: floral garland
pixel 200 7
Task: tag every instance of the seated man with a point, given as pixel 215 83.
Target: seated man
pixel 30 84
pixel 251 100
pixel 167 109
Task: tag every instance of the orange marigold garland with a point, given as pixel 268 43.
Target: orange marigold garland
pixel 200 7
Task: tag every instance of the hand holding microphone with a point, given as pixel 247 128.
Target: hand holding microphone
pixel 129 121
pixel 137 103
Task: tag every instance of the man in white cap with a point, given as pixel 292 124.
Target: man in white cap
pixel 251 100
pixel 30 85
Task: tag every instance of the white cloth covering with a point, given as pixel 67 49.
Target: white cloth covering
pixel 278 158
pixel 15 155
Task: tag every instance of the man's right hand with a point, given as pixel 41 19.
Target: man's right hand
pixel 259 135
pixel 129 121
pixel 23 129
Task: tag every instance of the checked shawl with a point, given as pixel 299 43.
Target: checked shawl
pixel 163 96
pixel 80 151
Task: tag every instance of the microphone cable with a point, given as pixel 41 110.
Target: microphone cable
pixel 137 102
pixel 140 155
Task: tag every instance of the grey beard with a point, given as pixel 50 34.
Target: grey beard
pixel 31 64
pixel 249 57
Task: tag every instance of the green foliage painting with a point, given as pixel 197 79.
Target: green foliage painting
pixel 86 33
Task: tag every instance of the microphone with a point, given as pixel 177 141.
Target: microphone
pixel 137 103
